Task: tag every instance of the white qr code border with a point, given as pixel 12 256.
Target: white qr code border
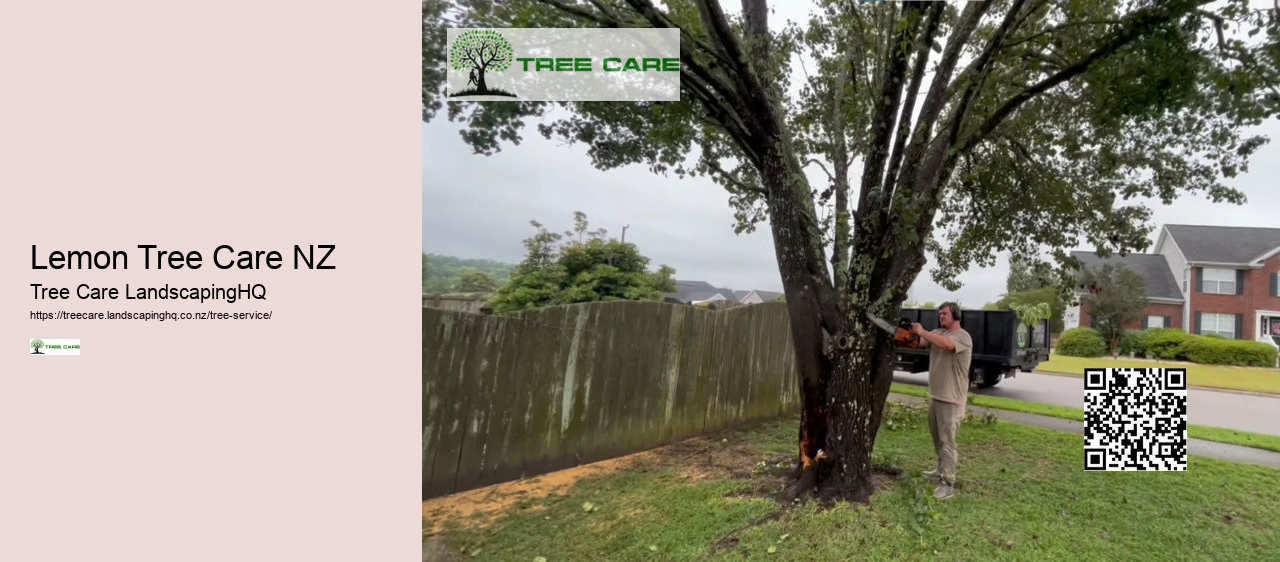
pixel 1139 440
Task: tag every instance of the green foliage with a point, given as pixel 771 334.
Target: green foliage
pixel 443 274
pixel 1025 276
pixel 1030 283
pixel 473 281
pixel 597 269
pixel 1211 349
pixel 1135 342
pixel 1220 351
pixel 1164 343
pixel 1081 342
pixel 1117 297
pixel 1032 313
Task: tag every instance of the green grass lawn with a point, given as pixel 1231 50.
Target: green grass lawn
pixel 1210 376
pixel 1217 434
pixel 1022 495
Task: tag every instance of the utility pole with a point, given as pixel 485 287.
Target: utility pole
pixel 624 233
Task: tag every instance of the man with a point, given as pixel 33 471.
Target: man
pixel 950 352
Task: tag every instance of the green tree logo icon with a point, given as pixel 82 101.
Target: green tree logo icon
pixel 478 52
pixel 36 345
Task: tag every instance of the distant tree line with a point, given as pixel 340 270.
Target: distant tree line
pixel 448 274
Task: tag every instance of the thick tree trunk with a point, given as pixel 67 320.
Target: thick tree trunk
pixel 844 363
pixel 848 416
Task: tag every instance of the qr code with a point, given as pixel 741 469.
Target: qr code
pixel 1135 419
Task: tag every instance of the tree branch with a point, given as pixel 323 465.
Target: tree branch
pixel 581 12
pixel 1138 24
pixel 928 178
pixel 936 99
pixel 908 106
pixel 821 165
pixel 722 38
pixel 737 184
pixel 1059 27
pixel 882 120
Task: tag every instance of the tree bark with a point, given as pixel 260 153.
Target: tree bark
pixel 857 384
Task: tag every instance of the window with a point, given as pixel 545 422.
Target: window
pixel 1155 322
pixel 1218 281
pixel 1221 324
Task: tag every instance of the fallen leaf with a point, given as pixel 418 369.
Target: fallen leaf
pixel 1104 535
pixel 1008 544
pixel 773 549
pixel 784 537
pixel 539 559
pixel 653 547
pixel 588 507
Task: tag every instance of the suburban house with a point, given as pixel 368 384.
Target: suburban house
pixel 698 292
pixel 1221 280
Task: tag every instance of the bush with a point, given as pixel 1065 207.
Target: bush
pixel 1165 343
pixel 1081 342
pixel 1210 350
pixel 1135 342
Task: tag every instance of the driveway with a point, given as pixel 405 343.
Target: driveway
pixel 1230 410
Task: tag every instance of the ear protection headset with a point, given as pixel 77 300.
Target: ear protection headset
pixel 955 312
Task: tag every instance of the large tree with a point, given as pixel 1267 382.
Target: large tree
pixel 1116 297
pixel 566 268
pixel 1014 126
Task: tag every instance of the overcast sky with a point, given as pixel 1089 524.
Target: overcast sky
pixel 479 207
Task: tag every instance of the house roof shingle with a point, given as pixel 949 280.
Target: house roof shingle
pixel 694 291
pixel 1223 244
pixel 769 296
pixel 1152 268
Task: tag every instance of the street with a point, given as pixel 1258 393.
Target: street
pixel 1230 410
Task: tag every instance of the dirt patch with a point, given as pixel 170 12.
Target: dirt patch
pixel 479 508
pixel 716 456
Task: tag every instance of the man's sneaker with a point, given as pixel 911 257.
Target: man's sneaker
pixel 945 491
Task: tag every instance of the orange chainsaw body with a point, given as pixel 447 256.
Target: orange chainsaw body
pixel 904 337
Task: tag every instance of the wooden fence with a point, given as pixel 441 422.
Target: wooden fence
pixel 510 397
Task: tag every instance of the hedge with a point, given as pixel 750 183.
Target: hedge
pixel 1165 343
pixel 1173 345
pixel 1222 351
pixel 1081 342
pixel 1134 342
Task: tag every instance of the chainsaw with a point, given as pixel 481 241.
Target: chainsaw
pixel 902 334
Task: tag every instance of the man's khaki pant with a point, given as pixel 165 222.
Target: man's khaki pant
pixel 944 423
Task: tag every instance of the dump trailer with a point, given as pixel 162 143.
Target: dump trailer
pixel 1002 344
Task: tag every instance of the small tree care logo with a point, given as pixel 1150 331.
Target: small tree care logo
pixel 54 347
pixel 480 51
